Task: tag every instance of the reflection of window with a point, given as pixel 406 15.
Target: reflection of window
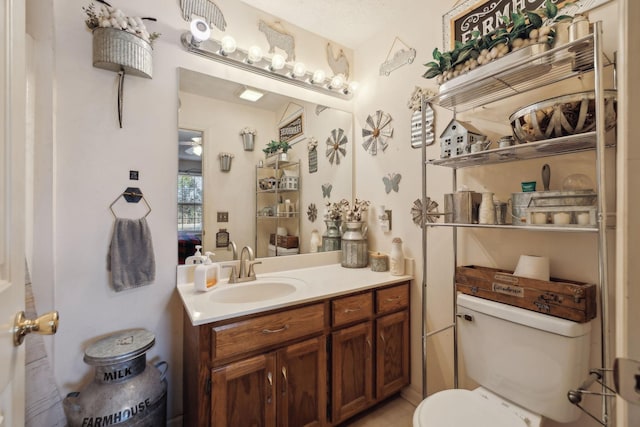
pixel 189 202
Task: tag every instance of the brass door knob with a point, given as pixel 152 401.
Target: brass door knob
pixel 47 324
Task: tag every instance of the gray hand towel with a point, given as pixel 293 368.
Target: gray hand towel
pixel 131 259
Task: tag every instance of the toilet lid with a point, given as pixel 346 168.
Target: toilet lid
pixel 463 408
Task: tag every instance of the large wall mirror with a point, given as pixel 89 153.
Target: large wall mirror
pixel 227 192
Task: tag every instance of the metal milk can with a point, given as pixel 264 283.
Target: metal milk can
pixel 125 391
pixel 355 251
pixel 331 237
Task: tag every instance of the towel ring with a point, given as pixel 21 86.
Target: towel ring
pixel 131 195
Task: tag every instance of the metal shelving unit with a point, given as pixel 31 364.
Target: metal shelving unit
pixel 270 197
pixel 509 76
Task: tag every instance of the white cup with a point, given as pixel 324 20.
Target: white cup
pixel 533 267
pixel 583 218
pixel 561 218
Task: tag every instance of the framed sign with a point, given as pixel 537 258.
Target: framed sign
pixel 291 129
pixel 484 15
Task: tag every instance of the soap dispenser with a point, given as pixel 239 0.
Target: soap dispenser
pixel 207 274
pixel 196 258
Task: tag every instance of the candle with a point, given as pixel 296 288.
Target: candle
pixel 378 261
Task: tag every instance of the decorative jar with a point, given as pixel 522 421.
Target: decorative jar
pixel 396 264
pixel 355 252
pixel 331 240
pixel 487 210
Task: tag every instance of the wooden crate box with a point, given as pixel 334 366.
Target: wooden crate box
pixel 558 297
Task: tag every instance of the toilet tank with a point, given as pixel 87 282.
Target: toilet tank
pixel 529 358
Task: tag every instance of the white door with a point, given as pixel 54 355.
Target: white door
pixel 12 187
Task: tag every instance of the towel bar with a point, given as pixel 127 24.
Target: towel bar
pixel 131 195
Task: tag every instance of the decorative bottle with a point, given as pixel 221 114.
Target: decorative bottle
pixel 315 242
pixel 487 210
pixel 396 257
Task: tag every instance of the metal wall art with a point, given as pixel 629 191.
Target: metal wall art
pixel 326 190
pixel 399 58
pixel 312 145
pixel 335 145
pixel 339 64
pixel 205 9
pixel 312 212
pixel 376 132
pixel 415 104
pixel 392 182
pixel 278 38
pixel 430 213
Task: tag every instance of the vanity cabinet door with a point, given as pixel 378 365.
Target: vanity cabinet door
pixel 392 353
pixel 244 393
pixel 352 370
pixel 302 384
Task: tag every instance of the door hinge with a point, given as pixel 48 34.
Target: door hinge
pixel 207 386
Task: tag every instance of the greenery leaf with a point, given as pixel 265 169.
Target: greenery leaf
pixel 534 19
pixel 551 9
pixel 431 73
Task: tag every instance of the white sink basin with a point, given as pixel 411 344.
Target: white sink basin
pixel 262 289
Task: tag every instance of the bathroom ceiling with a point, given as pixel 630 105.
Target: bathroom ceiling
pixel 349 23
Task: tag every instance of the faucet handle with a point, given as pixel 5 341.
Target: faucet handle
pixel 233 276
pixel 252 273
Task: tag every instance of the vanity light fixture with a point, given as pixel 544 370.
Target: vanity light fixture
pixel 254 54
pixel 227 45
pixel 250 94
pixel 277 62
pixel 318 78
pixel 299 70
pixel 226 52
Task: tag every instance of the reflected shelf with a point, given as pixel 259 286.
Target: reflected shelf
pixel 554 228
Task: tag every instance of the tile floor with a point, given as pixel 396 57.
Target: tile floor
pixel 392 413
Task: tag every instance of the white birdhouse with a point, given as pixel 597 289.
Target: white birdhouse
pixel 457 138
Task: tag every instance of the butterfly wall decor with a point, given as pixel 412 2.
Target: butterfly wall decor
pixel 392 182
pixel 326 190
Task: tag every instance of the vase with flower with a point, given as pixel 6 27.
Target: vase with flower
pixel 355 250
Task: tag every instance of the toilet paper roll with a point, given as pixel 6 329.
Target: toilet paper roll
pixel 200 30
pixel 533 267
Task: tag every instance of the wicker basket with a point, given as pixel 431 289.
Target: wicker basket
pixel 562 116
pixel 116 50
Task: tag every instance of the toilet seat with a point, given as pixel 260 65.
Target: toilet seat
pixel 464 408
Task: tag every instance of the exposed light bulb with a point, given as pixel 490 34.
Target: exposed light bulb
pixel 318 77
pixel 200 31
pixel 277 62
pixel 337 81
pixel 299 69
pixel 352 87
pixel 228 45
pixel 254 54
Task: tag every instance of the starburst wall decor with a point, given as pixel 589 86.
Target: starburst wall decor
pixel 376 132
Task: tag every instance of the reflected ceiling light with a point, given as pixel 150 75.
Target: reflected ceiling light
pixel 318 77
pixel 228 45
pixel 254 54
pixel 250 94
pixel 277 62
pixel 337 82
pixel 299 70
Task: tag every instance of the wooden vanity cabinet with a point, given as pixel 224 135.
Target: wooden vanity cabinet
pixel 299 366
pixel 366 370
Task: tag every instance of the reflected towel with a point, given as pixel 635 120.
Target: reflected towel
pixel 131 259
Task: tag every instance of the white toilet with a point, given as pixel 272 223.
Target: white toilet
pixel 525 362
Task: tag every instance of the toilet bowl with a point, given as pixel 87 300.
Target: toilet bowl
pixel 477 408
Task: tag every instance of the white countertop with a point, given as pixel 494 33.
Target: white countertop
pixel 320 282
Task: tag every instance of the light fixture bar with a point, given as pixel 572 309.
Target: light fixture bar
pixel 212 49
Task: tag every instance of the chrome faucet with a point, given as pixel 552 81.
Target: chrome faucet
pixel 246 272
